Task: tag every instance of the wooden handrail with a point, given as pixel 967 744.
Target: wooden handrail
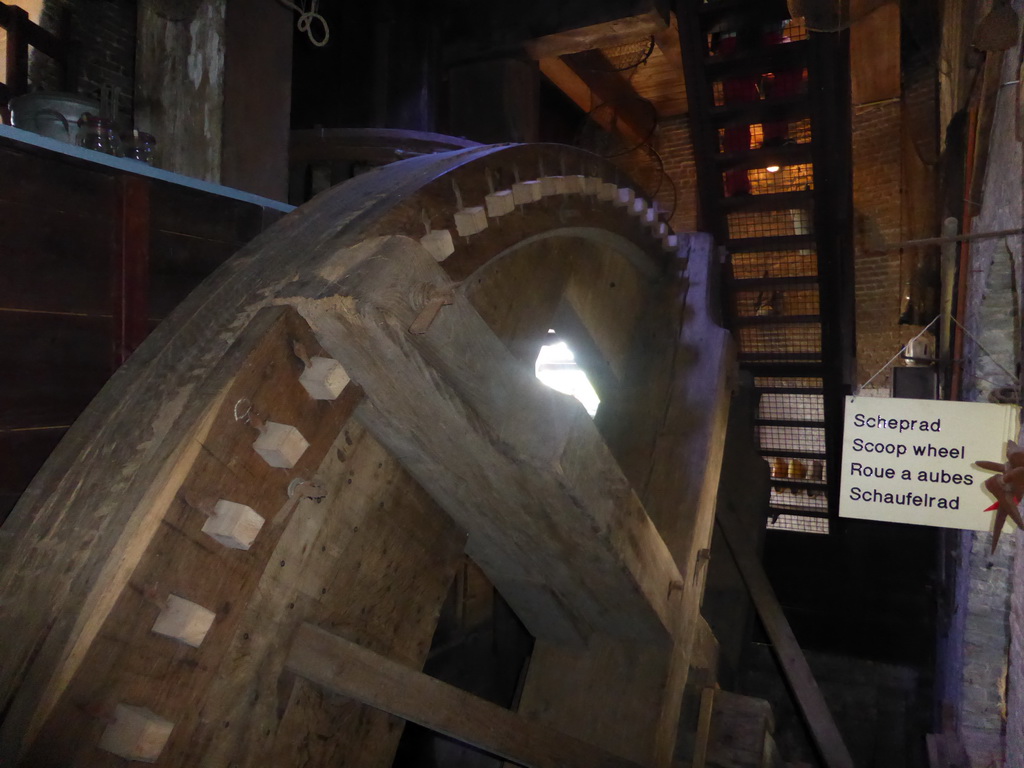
pixel 23 33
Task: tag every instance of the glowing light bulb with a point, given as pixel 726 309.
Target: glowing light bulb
pixel 772 169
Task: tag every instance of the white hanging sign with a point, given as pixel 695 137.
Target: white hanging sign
pixel 912 461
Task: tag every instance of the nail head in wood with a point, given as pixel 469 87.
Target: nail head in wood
pixel 324 378
pixel 280 445
pixel 184 621
pixel 500 203
pixel 524 192
pixel 234 525
pixel 136 734
pixel 470 221
pixel 438 243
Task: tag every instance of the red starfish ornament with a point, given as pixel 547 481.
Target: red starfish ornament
pixel 1007 487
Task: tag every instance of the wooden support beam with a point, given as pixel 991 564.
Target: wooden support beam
pixel 130 268
pixel 17 24
pixel 667 40
pixel 569 81
pixel 794 664
pixel 520 467
pixel 604 35
pixel 348 669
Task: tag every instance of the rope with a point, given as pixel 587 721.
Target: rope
pixel 307 19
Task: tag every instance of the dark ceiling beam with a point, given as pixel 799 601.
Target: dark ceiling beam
pixel 624 114
pixel 605 35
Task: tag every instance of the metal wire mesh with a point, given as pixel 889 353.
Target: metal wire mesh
pixel 774 264
pixel 799 524
pixel 788 178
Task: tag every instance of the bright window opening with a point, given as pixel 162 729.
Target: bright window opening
pixel 557 368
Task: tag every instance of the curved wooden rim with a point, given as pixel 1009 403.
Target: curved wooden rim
pixel 355 264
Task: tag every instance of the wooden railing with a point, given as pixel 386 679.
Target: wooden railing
pixel 23 34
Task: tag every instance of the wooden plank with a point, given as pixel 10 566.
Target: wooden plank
pixel 875 56
pixel 130 270
pixel 18 25
pixel 373 562
pixel 421 389
pixel 604 35
pixel 576 88
pixel 700 749
pixel 351 670
pixel 809 698
pixel 257 81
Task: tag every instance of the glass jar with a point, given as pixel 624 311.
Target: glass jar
pixel 141 146
pixel 98 133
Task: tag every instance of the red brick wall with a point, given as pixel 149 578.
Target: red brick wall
pixel 877 174
pixel 672 144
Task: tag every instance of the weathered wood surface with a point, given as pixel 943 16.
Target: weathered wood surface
pixel 120 469
pixel 347 668
pixel 676 393
pixel 825 733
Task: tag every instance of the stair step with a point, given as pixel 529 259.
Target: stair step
pixel 799 511
pixel 809 485
pixel 764 111
pixel 777 201
pixel 777 370
pixel 798 423
pixel 762 157
pixel 748 320
pixel 773 243
pixel 790 390
pixel 797 282
pixel 774 364
pixel 791 453
pixel 758 61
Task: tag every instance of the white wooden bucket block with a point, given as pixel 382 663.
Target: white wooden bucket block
pixel 280 445
pixel 570 185
pixel 549 185
pixel 324 378
pixel 638 208
pixel 469 221
pixel 670 243
pixel 136 734
pixel 524 192
pixel 661 229
pixel 592 185
pixel 500 203
pixel 234 525
pixel 624 197
pixel 650 216
pixel 184 621
pixel 438 243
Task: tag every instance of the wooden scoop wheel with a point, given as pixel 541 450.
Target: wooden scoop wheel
pixel 238 555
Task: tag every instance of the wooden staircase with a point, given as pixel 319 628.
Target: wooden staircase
pixel 770 127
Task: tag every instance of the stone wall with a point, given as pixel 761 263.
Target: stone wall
pixel 989 705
